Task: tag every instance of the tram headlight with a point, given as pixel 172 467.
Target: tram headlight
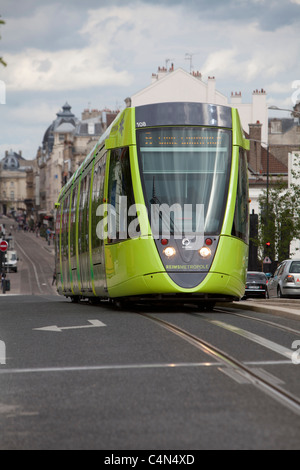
pixel 169 251
pixel 205 252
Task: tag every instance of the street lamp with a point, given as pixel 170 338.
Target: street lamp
pixel 268 159
pixel 275 108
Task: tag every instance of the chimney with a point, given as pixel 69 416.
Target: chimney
pixel 255 162
pixel 211 90
pixel 236 98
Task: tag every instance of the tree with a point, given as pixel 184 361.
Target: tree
pixel 1 59
pixel 279 221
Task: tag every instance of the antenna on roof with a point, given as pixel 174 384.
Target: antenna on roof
pixel 167 62
pixel 190 58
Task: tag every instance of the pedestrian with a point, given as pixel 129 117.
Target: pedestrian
pixel 3 282
pixel 54 277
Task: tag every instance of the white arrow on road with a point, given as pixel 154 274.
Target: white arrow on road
pixel 94 324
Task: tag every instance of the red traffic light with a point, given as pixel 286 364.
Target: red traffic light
pixel 268 243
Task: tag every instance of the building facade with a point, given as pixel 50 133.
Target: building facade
pixel 66 143
pixel 179 85
pixel 16 184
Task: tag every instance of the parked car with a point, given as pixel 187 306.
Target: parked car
pixel 256 285
pixel 11 263
pixel 286 280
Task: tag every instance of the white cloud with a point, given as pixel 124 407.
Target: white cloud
pixel 40 113
pixel 105 53
pixel 38 70
pixel 119 43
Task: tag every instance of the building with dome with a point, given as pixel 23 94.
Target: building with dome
pixel 15 186
pixel 65 145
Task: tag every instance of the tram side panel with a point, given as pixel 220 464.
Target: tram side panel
pixel 97 258
pixel 232 254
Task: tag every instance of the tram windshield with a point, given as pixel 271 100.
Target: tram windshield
pixel 187 166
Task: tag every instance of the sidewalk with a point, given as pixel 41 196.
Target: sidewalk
pixel 288 308
pixel 16 278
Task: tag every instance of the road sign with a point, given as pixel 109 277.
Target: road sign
pixel 267 260
pixel 3 246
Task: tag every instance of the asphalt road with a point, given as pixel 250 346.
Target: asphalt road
pixel 93 377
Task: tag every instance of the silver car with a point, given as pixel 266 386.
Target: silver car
pixel 286 280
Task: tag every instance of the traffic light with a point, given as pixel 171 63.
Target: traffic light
pixel 268 249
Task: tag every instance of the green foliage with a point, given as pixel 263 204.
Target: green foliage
pixel 279 220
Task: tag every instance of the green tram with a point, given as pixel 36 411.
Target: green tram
pixel 159 209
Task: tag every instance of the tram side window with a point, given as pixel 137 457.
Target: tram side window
pixel 57 233
pixel 65 226
pixel 73 221
pixel 120 185
pixel 97 197
pixel 81 217
pixel 240 227
pixel 84 212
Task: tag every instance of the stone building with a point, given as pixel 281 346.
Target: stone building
pixel 16 184
pixel 284 135
pixel 66 143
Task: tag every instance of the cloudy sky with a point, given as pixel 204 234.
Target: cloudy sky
pixel 95 53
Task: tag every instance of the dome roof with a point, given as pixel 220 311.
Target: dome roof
pixel 11 161
pixel 63 116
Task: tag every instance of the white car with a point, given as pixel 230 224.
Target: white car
pixel 11 262
pixel 286 280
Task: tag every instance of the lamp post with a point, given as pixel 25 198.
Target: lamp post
pixel 268 165
pixel 276 108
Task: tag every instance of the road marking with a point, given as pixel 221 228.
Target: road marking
pixel 2 352
pixel 126 367
pixel 253 337
pixel 94 324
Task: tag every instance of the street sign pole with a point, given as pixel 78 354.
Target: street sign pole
pixel 3 249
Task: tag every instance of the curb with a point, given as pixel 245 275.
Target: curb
pixel 263 308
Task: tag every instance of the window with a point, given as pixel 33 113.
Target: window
pixel 276 127
pixel 119 186
pixel 97 197
pixel 240 227
pixel 84 214
pixel 73 220
pixel 187 166
pixel 65 227
pixel 295 267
